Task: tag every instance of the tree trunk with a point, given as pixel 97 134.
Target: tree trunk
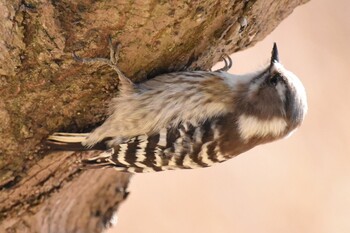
pixel 44 90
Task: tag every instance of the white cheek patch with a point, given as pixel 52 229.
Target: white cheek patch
pixel 250 126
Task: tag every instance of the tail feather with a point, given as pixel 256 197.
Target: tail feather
pixel 103 160
pixel 68 137
pixel 71 142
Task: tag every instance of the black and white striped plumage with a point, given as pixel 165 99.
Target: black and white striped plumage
pixel 192 119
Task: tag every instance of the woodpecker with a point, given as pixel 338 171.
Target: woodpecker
pixel 190 119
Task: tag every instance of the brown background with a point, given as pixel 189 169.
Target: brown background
pixel 301 184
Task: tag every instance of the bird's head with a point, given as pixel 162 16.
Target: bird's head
pixel 272 102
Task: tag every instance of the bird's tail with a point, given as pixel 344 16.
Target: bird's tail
pixel 74 142
pixel 67 141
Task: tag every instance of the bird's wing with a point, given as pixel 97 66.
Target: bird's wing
pixel 185 146
pixel 166 101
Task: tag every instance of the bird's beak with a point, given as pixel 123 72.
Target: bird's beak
pixel 274 57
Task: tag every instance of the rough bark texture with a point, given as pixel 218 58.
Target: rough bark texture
pixel 44 90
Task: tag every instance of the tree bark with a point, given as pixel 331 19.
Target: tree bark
pixel 43 90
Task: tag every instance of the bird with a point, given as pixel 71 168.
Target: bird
pixel 190 119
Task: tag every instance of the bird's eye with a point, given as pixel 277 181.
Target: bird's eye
pixel 274 80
